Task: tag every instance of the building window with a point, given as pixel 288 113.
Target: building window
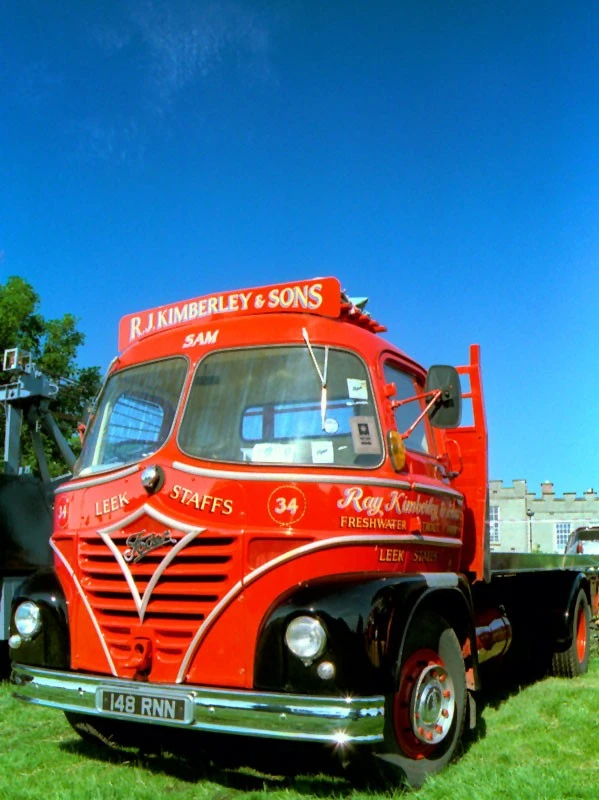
pixel 562 534
pixel 494 524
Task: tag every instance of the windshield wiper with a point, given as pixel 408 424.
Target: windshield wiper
pixel 322 375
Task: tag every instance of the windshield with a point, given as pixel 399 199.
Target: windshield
pixel 134 416
pixel 267 405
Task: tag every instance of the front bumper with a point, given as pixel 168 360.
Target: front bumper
pixel 336 720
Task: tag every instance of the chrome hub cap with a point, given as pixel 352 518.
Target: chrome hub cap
pixel 433 705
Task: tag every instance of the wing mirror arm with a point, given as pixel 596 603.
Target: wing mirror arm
pixel 435 395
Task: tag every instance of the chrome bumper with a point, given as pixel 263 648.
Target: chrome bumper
pixel 337 720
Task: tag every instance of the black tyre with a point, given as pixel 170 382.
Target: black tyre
pixel 574 661
pixel 424 717
pixel 4 661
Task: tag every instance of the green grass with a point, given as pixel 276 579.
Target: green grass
pixel 541 742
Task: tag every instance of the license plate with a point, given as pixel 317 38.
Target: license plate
pixel 145 705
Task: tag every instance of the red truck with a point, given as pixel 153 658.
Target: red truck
pixel 277 529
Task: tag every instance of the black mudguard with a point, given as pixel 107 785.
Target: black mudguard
pixel 366 620
pixel 562 614
pixel 50 647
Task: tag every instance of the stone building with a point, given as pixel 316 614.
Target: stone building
pixel 521 521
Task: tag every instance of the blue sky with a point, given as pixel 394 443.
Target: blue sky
pixel 440 157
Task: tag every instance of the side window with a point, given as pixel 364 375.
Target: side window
pixel 562 534
pixel 135 419
pixel 406 414
pixel 494 537
pixel 135 415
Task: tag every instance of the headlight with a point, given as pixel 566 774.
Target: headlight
pixel 28 619
pixel 305 637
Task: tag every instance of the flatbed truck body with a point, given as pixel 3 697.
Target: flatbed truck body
pixel 277 528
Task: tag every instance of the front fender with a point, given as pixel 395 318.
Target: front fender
pixel 50 646
pixel 365 620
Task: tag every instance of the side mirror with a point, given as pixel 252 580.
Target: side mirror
pixel 447 411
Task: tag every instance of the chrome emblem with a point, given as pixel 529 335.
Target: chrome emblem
pixel 142 543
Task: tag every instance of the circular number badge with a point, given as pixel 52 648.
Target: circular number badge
pixel 286 505
pixel 62 511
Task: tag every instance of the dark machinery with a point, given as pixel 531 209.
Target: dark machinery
pixel 26 501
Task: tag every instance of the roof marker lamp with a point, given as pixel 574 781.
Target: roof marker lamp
pixel 28 619
pixel 306 638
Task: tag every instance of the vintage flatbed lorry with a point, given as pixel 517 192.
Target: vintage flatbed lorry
pixel 277 529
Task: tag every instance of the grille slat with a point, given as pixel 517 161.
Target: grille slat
pixel 197 569
pixel 179 584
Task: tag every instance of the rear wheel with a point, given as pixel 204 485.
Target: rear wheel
pixel 424 717
pixel 575 660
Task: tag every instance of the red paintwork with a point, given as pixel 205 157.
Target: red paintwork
pixel 473 478
pixel 207 604
pixel 581 635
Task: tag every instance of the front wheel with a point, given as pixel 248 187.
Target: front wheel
pixel 424 716
pixel 575 660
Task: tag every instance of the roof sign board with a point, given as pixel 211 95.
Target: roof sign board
pixel 320 296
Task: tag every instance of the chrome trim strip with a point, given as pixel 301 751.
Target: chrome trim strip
pixel 97 480
pixel 438 490
pixel 87 605
pixel 313 477
pixel 336 720
pixel 323 544
pixel 440 580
